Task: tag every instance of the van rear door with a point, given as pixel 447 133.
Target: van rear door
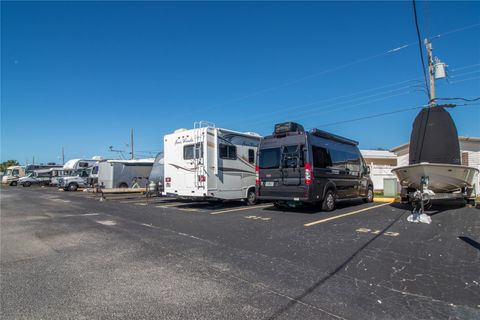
pixel 292 165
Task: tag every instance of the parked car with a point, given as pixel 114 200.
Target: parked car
pixel 316 167
pixel 40 177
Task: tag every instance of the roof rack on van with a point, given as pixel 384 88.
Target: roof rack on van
pixel 287 127
pixel 331 136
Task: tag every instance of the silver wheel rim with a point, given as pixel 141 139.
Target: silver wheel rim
pixel 330 201
pixel 370 195
pixel 251 197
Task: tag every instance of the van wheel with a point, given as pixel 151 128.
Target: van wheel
pixel 369 197
pixel 278 205
pixel 72 187
pixel 251 197
pixel 123 185
pixel 27 184
pixel 13 183
pixel 328 203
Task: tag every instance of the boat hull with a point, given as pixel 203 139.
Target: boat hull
pixel 441 177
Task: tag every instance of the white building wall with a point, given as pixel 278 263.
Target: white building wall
pixel 378 173
pixel 474 161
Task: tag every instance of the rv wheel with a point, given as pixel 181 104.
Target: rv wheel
pixel 123 185
pixel 13 183
pixel 72 187
pixel 329 201
pixel 27 184
pixel 251 197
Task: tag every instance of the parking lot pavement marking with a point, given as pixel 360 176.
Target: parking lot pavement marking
pixel 240 209
pixel 388 233
pixel 344 215
pixel 258 218
pixel 167 205
pixel 106 222
pixel 92 214
pixel 188 209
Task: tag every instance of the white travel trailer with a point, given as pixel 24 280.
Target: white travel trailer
pixel 211 163
pixel 124 173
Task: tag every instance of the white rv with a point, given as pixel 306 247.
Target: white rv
pixel 124 173
pixel 211 163
pixel 12 175
pixel 76 164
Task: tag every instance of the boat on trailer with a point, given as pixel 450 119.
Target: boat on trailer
pixel 435 170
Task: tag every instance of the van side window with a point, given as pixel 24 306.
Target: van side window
pixel 321 157
pixel 189 152
pixel 251 156
pixel 228 152
pixel 353 163
pixel 338 158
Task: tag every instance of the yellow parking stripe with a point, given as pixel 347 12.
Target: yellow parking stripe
pixel 344 215
pixel 241 209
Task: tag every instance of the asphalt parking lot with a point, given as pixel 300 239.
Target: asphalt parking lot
pixel 69 255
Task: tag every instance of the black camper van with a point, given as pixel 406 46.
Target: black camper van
pixel 295 166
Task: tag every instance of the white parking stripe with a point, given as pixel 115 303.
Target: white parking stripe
pixel 241 209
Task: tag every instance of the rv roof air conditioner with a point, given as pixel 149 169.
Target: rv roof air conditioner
pixel 180 130
pixel 286 127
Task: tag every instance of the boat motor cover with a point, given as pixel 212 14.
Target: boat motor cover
pixel 434 138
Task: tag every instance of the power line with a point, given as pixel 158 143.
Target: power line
pixel 310 76
pixel 419 38
pixel 389 113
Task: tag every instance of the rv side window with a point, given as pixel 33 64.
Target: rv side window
pixel 251 155
pixel 269 158
pixel 189 152
pixel 321 157
pixel 293 156
pixel 228 152
pixel 95 170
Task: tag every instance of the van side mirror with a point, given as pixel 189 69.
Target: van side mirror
pixel 368 170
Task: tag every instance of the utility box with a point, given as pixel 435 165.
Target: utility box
pixel 390 187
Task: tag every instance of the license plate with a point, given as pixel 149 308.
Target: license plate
pixel 269 183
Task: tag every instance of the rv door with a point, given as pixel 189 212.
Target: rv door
pixel 292 164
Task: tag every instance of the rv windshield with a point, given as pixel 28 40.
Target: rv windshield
pixel 269 158
pixel 12 172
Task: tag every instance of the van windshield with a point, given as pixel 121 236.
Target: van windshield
pixel 269 158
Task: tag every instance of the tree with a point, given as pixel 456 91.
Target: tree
pixel 4 165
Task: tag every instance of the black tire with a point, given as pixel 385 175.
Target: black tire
pixel 72 186
pixel 328 203
pixel 251 197
pixel 370 195
pixel 13 183
pixel 123 185
pixel 27 184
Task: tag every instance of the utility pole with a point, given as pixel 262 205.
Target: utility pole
pixel 431 72
pixel 33 159
pixel 63 156
pixel 131 143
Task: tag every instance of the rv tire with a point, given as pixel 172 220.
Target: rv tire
pixel 72 187
pixel 328 203
pixel 13 183
pixel 123 185
pixel 27 184
pixel 251 197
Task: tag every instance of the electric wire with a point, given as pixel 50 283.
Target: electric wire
pixel 419 38
pixel 390 113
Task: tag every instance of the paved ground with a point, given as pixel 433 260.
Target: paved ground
pixel 68 255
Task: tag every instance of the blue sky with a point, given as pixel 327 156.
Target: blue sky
pixel 82 74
